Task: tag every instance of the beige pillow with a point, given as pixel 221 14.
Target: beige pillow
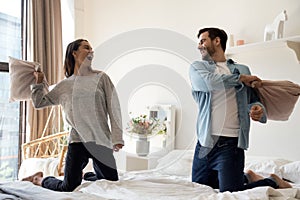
pixel 21 77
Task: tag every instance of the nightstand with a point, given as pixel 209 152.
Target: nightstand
pixel 132 162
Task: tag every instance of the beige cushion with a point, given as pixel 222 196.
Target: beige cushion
pixel 21 77
pixel 279 98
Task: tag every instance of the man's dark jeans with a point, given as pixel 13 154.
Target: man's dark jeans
pixel 222 167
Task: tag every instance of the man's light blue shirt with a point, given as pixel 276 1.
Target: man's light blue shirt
pixel 204 81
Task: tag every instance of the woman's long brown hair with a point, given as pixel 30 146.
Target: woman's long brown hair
pixel 69 59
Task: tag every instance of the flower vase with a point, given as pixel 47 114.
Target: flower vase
pixel 142 146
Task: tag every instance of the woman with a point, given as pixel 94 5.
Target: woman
pixel 88 97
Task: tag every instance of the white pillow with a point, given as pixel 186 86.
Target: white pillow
pixel 291 171
pixel 32 165
pixel 265 166
pixel 21 77
pixel 176 162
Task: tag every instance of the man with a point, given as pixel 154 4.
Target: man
pixel 226 99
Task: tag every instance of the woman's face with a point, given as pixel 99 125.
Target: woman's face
pixel 81 53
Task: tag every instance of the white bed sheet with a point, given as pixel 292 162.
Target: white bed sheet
pixel 152 185
pixel 155 185
pixel 170 180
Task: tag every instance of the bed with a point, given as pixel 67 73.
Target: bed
pixel 169 180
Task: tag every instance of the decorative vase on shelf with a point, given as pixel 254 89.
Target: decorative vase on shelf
pixel 142 146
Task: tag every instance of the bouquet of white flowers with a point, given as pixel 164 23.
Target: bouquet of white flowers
pixel 145 127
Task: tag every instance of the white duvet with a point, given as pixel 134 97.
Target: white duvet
pixel 144 185
pixel 155 186
pixel 170 180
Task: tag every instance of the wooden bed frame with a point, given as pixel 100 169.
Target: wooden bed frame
pixel 49 146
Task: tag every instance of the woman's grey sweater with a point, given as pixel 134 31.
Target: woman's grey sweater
pixel 87 102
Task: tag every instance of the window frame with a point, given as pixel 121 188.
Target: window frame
pixel 4 67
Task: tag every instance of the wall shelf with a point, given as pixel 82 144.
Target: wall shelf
pixel 290 42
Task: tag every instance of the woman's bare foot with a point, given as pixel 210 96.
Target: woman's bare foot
pixel 253 177
pixel 281 183
pixel 35 178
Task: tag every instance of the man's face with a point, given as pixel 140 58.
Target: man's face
pixel 206 46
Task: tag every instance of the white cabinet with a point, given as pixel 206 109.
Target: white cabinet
pixel 132 162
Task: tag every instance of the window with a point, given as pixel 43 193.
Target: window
pixel 10 45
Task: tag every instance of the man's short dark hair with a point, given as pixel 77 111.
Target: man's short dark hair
pixel 213 33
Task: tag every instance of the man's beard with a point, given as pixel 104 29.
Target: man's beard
pixel 206 53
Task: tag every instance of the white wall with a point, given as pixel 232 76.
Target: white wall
pixel 137 41
pixel 276 138
pixel 68 25
pixel 103 19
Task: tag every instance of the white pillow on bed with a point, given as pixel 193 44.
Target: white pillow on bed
pixel 176 162
pixel 264 165
pixel 291 171
pixel 179 162
pixel 32 165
